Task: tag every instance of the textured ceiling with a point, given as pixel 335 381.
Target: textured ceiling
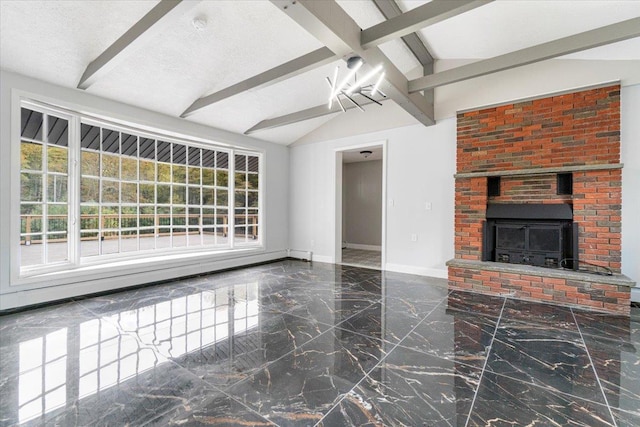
pixel 244 38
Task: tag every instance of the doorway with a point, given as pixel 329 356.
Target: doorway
pixel 360 213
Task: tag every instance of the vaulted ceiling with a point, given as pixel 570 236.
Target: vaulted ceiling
pixel 260 66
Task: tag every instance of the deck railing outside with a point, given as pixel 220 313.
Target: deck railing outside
pixel 160 221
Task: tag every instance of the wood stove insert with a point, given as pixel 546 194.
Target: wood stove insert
pixel 533 234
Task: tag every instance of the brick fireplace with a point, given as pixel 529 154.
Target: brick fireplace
pixel 562 151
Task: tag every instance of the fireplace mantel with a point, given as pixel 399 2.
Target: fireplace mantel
pixel 541 171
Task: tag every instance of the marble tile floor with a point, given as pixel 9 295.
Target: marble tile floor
pixel 361 258
pixel 299 344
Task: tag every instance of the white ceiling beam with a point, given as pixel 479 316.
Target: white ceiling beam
pixel 297 66
pixel 390 9
pixel 299 116
pixel 416 19
pixel 333 27
pixel 141 33
pixel 587 40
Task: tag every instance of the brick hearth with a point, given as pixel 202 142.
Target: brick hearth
pixel 527 144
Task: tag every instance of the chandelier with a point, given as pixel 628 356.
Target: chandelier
pixel 362 87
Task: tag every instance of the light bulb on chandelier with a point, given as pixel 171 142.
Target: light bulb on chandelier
pixel 361 87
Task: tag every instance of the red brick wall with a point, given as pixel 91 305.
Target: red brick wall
pixel 532 188
pixel 597 205
pixel 581 128
pixel 564 131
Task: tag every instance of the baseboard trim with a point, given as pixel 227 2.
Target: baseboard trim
pixel 34 297
pixel 420 271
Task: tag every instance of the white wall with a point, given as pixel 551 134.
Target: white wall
pixel 362 202
pixel 630 156
pixel 276 170
pixel 420 167
pixel 422 161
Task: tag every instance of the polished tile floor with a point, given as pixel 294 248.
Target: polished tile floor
pixel 361 258
pixel 298 344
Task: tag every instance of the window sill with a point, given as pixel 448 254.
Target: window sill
pixel 121 267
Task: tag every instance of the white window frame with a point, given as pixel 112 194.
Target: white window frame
pixel 20 276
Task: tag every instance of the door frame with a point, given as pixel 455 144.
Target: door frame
pixel 337 247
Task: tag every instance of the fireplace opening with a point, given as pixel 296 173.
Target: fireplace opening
pixel 533 234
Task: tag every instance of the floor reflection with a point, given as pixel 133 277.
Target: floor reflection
pixel 298 344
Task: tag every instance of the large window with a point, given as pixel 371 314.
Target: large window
pixel 137 193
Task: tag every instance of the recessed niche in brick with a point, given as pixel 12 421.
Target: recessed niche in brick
pixel 565 183
pixel 493 186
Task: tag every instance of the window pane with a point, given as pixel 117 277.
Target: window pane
pixel 30 187
pixel 129 217
pixel 110 242
pixel 194 156
pixel 89 244
pixel 57 188
pixel 179 174
pixel 147 148
pixel 90 163
pixel 129 192
pixel 194 216
pixel 57 159
pixel 31 223
pixel 164 173
pixel 89 218
pixel 90 137
pixel 147 216
pixel 241 163
pixel 194 175
pixel 241 199
pixel 57 223
pixel 178 216
pixel 194 195
pixel 241 181
pixel 252 199
pixel 129 169
pixel 147 193
pixel 223 178
pixel 179 195
pixel 58 131
pixel 110 217
pixel 57 247
pixel 164 194
pixel 110 166
pixel 110 141
pixel 110 192
pixel 252 164
pixel 31 251
pixel 208 158
pixel 253 181
pixel 30 156
pixel 147 171
pixel 31 124
pixel 222 198
pixel 89 190
pixel 222 160
pixel 208 196
pixel 179 155
pixel 208 177
pixel 129 145
pixel 129 240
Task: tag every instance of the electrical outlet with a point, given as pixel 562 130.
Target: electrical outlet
pixel 427 206
pixel 414 237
